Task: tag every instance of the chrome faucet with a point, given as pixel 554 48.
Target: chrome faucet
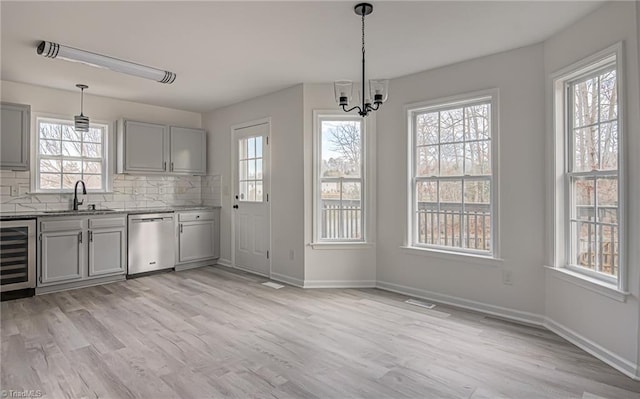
pixel 75 194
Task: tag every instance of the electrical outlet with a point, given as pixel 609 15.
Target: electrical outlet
pixel 507 277
pixel 291 254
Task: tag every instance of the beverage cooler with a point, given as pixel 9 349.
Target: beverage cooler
pixel 17 255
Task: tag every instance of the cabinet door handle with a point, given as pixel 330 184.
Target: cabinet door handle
pixel 165 165
pixel 90 236
pixel 80 237
pixel 172 166
pixel 181 228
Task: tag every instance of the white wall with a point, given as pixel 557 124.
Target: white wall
pixel 67 103
pixel 127 191
pixel 332 267
pixel 518 75
pixel 285 108
pixel 611 327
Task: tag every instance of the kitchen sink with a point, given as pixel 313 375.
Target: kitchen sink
pixel 82 211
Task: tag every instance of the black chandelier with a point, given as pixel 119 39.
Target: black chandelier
pixel 378 89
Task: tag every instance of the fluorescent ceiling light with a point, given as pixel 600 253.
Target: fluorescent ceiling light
pixel 55 50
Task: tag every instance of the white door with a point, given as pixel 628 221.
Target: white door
pixel 251 198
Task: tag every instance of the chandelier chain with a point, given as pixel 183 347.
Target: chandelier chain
pixel 363 33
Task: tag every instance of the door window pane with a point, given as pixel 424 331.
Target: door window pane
pixel 250 164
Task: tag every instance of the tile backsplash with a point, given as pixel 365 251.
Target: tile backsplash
pixel 212 190
pixel 128 191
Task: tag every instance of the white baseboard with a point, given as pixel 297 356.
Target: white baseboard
pixel 287 279
pixel 339 284
pixel 250 271
pixel 622 365
pixel 506 313
pixel 224 262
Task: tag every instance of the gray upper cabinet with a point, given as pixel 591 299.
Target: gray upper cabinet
pixel 188 150
pixel 142 147
pixel 14 136
pixel 153 148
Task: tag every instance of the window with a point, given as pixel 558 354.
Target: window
pixel 451 169
pixel 589 124
pixel 65 156
pixel 250 167
pixel 340 180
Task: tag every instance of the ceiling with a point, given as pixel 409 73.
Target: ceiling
pixel 226 52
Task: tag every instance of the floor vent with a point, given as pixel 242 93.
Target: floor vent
pixel 273 285
pixel 422 304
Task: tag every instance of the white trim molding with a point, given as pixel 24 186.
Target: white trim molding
pixel 499 311
pixel 287 279
pixel 623 365
pixel 224 262
pixel 340 284
pixel 487 96
pixel 558 146
pixel 591 284
pixel 454 256
pixel 342 245
pixel 367 177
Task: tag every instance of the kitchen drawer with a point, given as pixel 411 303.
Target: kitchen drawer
pixel 101 223
pixel 195 216
pixel 59 224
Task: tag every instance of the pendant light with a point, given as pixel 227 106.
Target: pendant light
pixel 378 89
pixel 81 122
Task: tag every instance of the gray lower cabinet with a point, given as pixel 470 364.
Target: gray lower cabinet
pixel 198 236
pixel 14 136
pixel 61 256
pixel 74 249
pixel 107 246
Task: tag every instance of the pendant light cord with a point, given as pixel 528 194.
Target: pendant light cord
pixel 81 101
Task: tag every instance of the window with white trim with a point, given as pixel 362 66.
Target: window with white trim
pixel 589 125
pixel 64 156
pixel 340 178
pixel 452 175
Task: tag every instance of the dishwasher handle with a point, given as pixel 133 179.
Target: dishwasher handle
pixel 150 220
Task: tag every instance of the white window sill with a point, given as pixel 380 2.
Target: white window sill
pixel 470 258
pixel 589 283
pixel 341 245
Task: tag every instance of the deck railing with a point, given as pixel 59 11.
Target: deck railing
pixel 341 219
pixel 450 225
pixel 603 255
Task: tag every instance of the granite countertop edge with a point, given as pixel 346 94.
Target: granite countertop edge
pixel 131 211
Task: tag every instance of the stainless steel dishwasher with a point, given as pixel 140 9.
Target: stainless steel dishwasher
pixel 151 242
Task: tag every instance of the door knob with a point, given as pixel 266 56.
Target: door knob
pixel 235 207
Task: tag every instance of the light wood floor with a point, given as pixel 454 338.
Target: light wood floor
pixel 213 332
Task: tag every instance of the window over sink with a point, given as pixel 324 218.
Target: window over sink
pixel 64 156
